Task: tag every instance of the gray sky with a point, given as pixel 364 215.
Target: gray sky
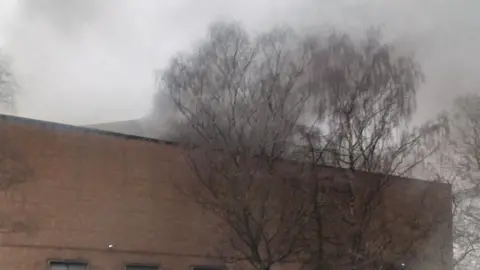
pixel 88 61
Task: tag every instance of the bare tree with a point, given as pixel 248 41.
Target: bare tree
pixel 243 98
pixel 365 99
pixel 459 164
pixel 255 110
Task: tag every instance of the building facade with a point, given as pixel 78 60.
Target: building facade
pixel 76 197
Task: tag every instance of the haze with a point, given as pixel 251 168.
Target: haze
pixel 90 61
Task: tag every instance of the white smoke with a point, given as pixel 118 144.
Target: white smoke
pixel 87 61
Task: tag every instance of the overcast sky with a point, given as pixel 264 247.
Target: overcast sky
pixel 88 61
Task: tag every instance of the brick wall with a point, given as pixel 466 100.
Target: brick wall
pixel 86 190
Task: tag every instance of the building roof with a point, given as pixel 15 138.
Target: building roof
pixel 81 129
pixel 136 127
pixel 147 127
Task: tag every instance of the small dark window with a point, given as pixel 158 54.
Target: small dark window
pixel 141 267
pixel 206 267
pixel 68 266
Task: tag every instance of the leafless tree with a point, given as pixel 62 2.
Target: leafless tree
pixel 365 98
pixel 253 111
pixel 459 164
pixel 243 98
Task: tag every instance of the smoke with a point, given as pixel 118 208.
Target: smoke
pixel 87 61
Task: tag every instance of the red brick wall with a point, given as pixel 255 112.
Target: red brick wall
pixel 87 190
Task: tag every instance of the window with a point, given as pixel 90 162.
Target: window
pixel 141 267
pixel 205 267
pixel 68 265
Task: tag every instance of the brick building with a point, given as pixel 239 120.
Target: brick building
pixel 107 200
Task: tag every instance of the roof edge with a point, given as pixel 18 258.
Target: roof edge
pixel 113 122
pixel 83 129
